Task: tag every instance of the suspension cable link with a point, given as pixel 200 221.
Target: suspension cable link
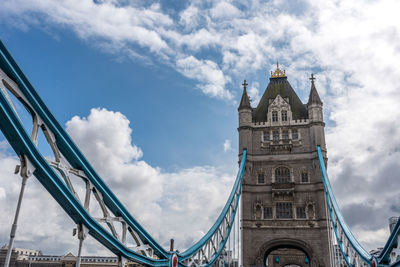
pixel 80 231
pixel 26 168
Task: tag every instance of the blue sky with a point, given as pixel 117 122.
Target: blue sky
pixel 153 87
pixel 176 125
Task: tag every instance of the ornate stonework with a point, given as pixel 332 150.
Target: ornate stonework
pixel 285 208
pixel 278 73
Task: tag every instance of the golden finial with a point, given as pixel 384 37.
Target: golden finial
pixel 278 73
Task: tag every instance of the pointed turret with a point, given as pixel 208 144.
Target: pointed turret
pixel 314 97
pixel 315 116
pixel 245 101
pixel 245 120
pixel 314 104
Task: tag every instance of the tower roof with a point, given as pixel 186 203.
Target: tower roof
pixel 245 101
pixel 314 96
pixel 280 85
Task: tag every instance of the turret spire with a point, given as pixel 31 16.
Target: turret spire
pixel 245 101
pixel 314 96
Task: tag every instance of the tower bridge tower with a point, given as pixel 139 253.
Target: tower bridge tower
pixel 284 220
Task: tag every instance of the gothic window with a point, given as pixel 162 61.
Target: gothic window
pixel 266 136
pixel 304 177
pixel 261 178
pixel 285 135
pixel 295 135
pixel 275 135
pixel 274 115
pixel 284 115
pixel 282 175
pixel 267 213
pixel 284 210
pixel 301 213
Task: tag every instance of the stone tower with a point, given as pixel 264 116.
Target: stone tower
pixel 283 206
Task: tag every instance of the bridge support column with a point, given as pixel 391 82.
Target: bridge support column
pixel 121 261
pixel 81 236
pixel 26 171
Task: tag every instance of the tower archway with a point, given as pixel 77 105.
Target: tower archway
pixel 286 252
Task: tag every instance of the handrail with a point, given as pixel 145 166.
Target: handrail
pixel 390 243
pixel 236 188
pixel 330 197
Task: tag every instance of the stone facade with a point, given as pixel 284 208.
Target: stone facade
pixel 283 204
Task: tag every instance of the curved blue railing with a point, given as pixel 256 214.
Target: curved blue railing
pixel 233 199
pixel 22 144
pixel 330 199
pixel 384 255
pixel 383 259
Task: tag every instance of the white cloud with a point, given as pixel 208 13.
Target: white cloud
pixel 2 193
pixel 227 145
pixel 254 93
pixel 224 10
pixel 190 17
pixel 99 126
pixel 212 79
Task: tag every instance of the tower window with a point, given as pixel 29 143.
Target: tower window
pixel 274 116
pixel 285 135
pixel 284 210
pixel 275 135
pixel 267 213
pixel 301 213
pixel 282 175
pixel 266 136
pixel 295 134
pixel 261 178
pixel 304 177
pixel 284 115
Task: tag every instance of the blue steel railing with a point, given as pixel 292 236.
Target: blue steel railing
pixel 23 145
pixel 352 251
pixel 337 219
pixel 231 206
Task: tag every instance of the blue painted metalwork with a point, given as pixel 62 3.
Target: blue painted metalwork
pixel 334 210
pixel 393 241
pixel 22 144
pixel 384 257
pixel 233 199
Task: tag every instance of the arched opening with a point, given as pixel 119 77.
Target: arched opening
pixel 286 255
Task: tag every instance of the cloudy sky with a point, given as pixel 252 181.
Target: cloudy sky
pixel 152 89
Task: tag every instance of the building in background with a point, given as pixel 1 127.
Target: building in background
pixel 21 257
